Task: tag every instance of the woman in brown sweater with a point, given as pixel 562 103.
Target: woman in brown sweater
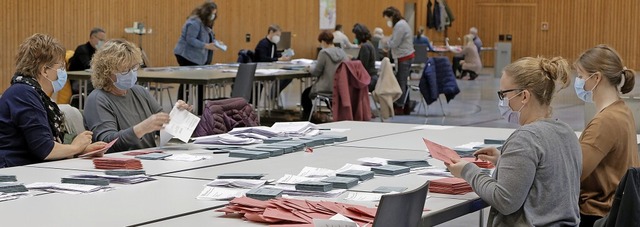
pixel 609 144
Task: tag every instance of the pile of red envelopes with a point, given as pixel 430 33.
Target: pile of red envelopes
pixel 480 163
pixel 117 163
pixel 294 212
pixel 450 185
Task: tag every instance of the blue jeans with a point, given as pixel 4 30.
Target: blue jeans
pixel 403 73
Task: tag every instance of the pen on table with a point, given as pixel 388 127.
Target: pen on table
pixel 325 129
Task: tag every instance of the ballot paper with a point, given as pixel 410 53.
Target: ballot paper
pixel 67 188
pixel 373 161
pixel 296 129
pixel 293 179
pixel 433 127
pixel 363 196
pixel 181 126
pixel 349 166
pixel 237 183
pixel 100 152
pixel 337 220
pixel 440 172
pixel 302 61
pixel 221 193
pixel 440 152
pixel 261 130
pixel 290 189
pixel 12 196
pixel 219 45
pixel 225 139
pixel 288 53
pixel 187 157
pixel 316 172
pixel 133 179
pixel 469 145
pixel 269 71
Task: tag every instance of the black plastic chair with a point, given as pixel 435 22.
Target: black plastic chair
pixel 402 209
pixel 626 202
pixel 243 83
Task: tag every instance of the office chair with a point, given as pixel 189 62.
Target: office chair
pixel 420 53
pixel 402 209
pixel 243 83
pixel 626 202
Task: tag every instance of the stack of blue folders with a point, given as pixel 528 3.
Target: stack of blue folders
pixel 411 163
pixel 390 170
pixel 341 182
pixel 316 186
pixel 272 151
pixel 250 176
pixel 125 172
pixel 249 154
pixel 264 193
pixel 85 181
pixel 12 187
pixel 361 175
pixel 8 178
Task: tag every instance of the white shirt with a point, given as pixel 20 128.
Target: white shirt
pixel 339 37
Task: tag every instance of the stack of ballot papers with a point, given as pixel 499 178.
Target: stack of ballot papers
pixel 68 188
pixel 269 71
pixel 8 178
pixel 480 163
pixel 288 183
pixel 450 185
pixel 117 163
pixel 439 172
pixel 12 187
pixel 373 161
pixel 390 170
pixel 264 193
pixel 316 172
pixel 225 139
pixel 296 129
pixel 187 157
pixel 237 183
pixel 12 195
pixel 263 131
pixel 302 61
pixel 295 212
pixel 350 166
pixel 132 179
pixel 221 193
pixel 411 163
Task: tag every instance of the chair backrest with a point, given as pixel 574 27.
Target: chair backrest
pixel 245 56
pixel 421 53
pixel 73 120
pixel 402 209
pixel 244 81
pixel 626 202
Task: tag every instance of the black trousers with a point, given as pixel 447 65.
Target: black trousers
pixel 184 62
pixel 306 104
pixel 588 220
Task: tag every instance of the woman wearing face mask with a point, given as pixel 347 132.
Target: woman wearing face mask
pixel 609 143
pixel 31 125
pixel 401 44
pixel 197 41
pixel 537 177
pixel 118 108
pixel 367 53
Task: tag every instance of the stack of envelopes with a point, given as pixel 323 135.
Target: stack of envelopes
pixel 450 185
pixel 117 163
pixel 294 212
pixel 480 163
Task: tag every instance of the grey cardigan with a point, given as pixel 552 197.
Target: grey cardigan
pixel 193 37
pixel 537 178
pixel 325 69
pixel 401 42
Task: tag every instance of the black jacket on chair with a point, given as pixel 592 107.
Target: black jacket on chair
pixel 626 202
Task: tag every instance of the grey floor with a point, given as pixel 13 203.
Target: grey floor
pixel 475 106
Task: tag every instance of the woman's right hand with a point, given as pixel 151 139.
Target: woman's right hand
pixel 153 123
pixel 210 46
pixel 82 140
pixel 490 154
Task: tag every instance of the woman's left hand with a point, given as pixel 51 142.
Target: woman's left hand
pixel 181 105
pixel 456 167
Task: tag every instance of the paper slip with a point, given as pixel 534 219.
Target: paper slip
pixel 67 188
pixel 373 161
pixel 302 61
pixel 99 153
pixel 337 220
pixel 269 71
pixel 433 127
pixel 133 179
pixel 230 71
pixel 470 145
pixel 349 166
pixel 262 130
pixel 187 157
pixel 440 152
pixel 435 172
pixel 316 172
pixel 12 196
pixel 288 53
pixel 363 196
pixel 290 189
pixel 293 179
pixel 237 183
pixel 251 135
pixel 181 126
pixel 219 193
pixel 225 139
pixel 219 45
pixel 336 129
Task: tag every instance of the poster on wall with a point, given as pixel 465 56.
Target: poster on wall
pixel 327 14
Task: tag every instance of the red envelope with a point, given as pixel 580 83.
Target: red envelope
pixel 257 217
pixel 100 152
pixel 440 152
pixel 282 215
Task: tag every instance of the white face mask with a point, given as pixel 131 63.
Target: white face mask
pixel 390 24
pixel 275 39
pixel 212 17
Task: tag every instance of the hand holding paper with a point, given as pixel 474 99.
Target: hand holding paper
pixel 442 153
pixel 99 152
pixel 181 126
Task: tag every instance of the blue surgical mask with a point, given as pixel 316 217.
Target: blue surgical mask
pixel 507 113
pixel 59 83
pixel 583 94
pixel 127 80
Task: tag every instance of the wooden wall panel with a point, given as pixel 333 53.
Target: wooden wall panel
pixel 70 22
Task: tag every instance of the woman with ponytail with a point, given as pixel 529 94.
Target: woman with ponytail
pixel 609 143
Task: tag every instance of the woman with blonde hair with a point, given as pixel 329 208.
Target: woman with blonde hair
pixel 31 124
pixel 471 64
pixel 118 108
pixel 609 143
pixel 537 176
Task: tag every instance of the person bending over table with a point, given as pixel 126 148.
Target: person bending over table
pixel 471 64
pixel 609 143
pixel 31 125
pixel 537 177
pixel 328 61
pixel 118 108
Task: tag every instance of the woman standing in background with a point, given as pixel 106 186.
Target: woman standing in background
pixel 401 45
pixel 196 43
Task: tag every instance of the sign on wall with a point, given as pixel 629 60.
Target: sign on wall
pixel 327 14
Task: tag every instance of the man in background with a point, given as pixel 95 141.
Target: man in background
pixel 81 58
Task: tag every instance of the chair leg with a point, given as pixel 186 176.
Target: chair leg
pixel 313 107
pixel 442 107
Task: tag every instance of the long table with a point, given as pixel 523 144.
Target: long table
pixel 170 200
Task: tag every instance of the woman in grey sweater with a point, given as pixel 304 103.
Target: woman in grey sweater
pixel 537 176
pixel 402 52
pixel 325 68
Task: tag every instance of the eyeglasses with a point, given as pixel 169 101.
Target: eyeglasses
pixel 502 93
pixel 135 68
pixel 63 66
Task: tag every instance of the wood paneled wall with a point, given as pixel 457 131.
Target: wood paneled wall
pixel 71 20
pixel 574 26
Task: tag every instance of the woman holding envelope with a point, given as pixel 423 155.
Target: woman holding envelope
pixel 119 108
pixel 537 177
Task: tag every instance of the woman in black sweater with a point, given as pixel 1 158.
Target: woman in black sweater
pixel 367 54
